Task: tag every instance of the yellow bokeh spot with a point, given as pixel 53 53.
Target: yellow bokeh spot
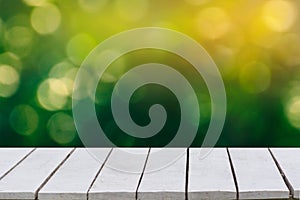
pixel 79 47
pixel 65 72
pixel 255 77
pixel 18 36
pixel 45 19
pixel 52 94
pixel 213 22
pixel 58 86
pixel 24 119
pixel 8 75
pixel 293 112
pixel 61 128
pixel 35 2
pixel 69 83
pixel 60 69
pixel 131 10
pixel 279 15
pixel 9 80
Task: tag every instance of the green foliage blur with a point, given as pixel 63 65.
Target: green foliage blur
pixel 254 43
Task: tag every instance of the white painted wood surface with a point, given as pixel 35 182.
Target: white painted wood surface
pixel 60 173
pixel 289 161
pixel 10 157
pixel 257 174
pixel 167 183
pixel 210 177
pixel 116 180
pixel 24 180
pixel 75 176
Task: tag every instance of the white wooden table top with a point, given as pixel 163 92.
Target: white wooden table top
pixel 74 173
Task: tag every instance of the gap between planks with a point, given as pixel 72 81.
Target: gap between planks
pixel 233 174
pixel 140 180
pixel 13 167
pixel 187 173
pixel 285 179
pixel 97 174
pixel 52 173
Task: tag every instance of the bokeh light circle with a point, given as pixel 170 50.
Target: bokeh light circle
pixel 9 80
pixel 213 22
pixel 61 128
pixel 79 46
pixel 279 15
pixel 53 94
pixel 45 19
pixel 19 39
pixel 24 119
pixel 35 2
pixel 65 72
pixel 255 77
pixel 293 112
pixel 86 121
pixel 61 69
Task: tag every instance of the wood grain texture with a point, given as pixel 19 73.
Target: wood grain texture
pixel 166 183
pixel 24 180
pixel 65 174
pixel 10 157
pixel 257 174
pixel 74 177
pixel 118 183
pixel 210 177
pixel 289 161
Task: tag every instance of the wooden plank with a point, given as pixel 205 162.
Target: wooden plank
pixel 210 177
pixel 166 183
pixel 289 162
pixel 24 181
pixel 74 177
pixel 120 176
pixel 257 174
pixel 10 157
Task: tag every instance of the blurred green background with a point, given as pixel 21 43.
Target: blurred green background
pixel 254 43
